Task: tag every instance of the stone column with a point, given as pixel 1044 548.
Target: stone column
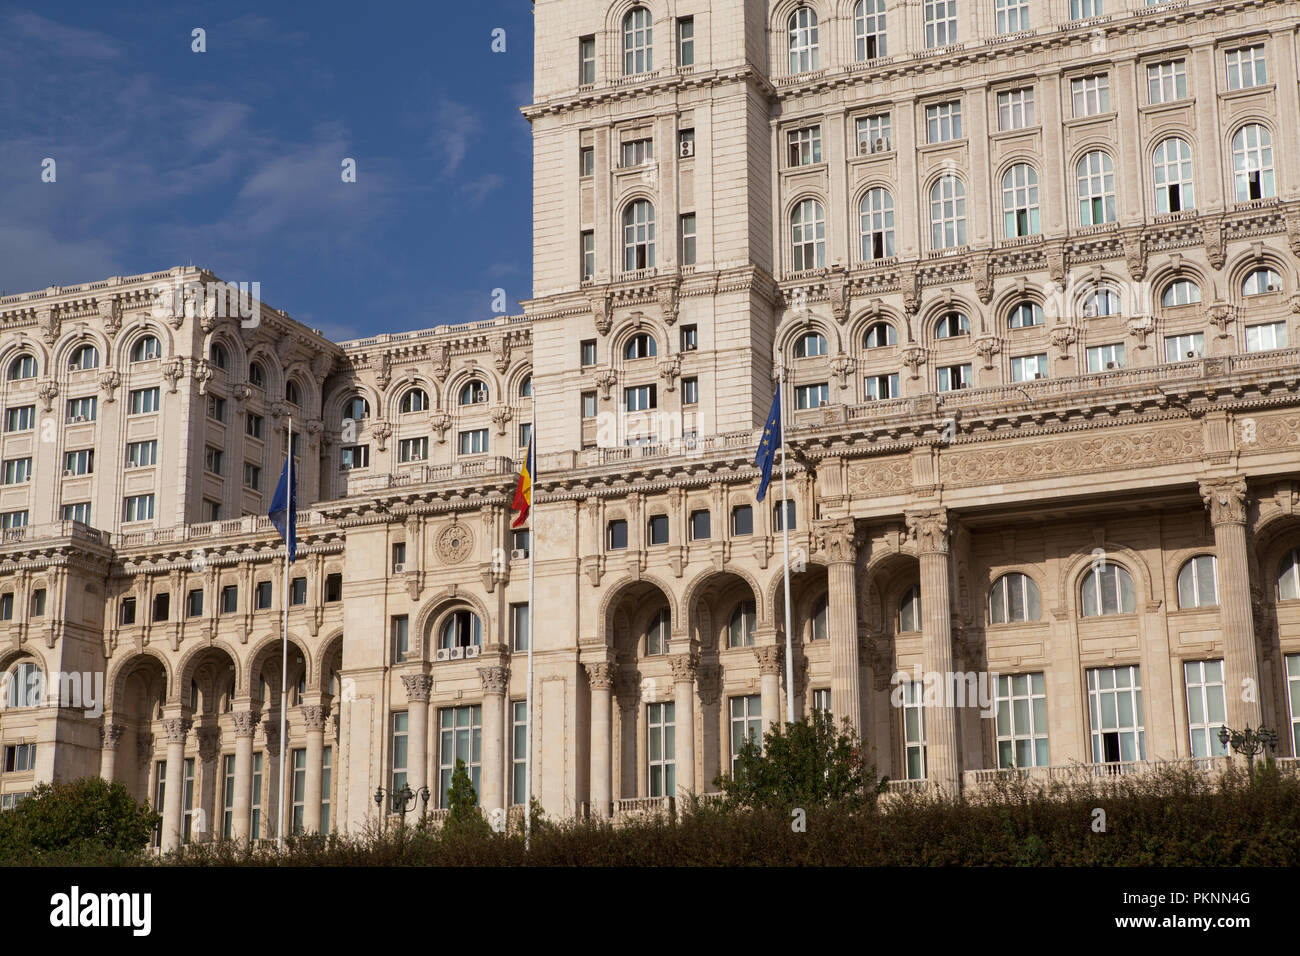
pixel 931 531
pixel 601 677
pixel 242 805
pixel 683 666
pixel 314 716
pixel 205 820
pixel 274 776
pixel 495 681
pixel 841 545
pixel 769 668
pixel 111 734
pixel 176 729
pixel 1226 498
pixel 418 688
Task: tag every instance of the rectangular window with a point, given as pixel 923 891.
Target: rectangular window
pixel 822 700
pixel 211 510
pixel 397 778
pixel 588 352
pixel 940 23
pixel 20 758
pixel 262 596
pixel 140 454
pixel 690 338
pixel 746 722
pixel 333 587
pixel 1293 699
pixel 162 607
pixel 804 146
pixel 519 541
pixel 253 425
pixel 658 529
pixel 701 529
pixel 742 520
pixel 686 142
pixel 1026 368
pixel 688 239
pixel 1246 67
pixel 159 796
pixel 138 508
pixel 1167 81
pixel 413 449
pixel 1115 707
pixel 586 60
pixel 83 409
pixel 1206 707
pixel 525 433
pixel 952 377
pixel 474 442
pixel 228 796
pixel 519 629
pixel 1268 335
pixel 213 460
pixel 586 161
pixel 143 400
pixel 13 519
pixel 187 803
pixel 399 556
pixel 1180 348
pixel 38 603
pixel 7 607
pixel 355 456
pixel 1016 109
pixel 298 591
pixel 126 611
pixel 252 476
pixel 326 773
pixel 1090 94
pixel 588 256
pixel 913 731
pixel 216 408
pixel 194 603
pixel 661 750
pixel 588 404
pixel 777 523
pixel 518 752
pixel 21 419
pixel 18 471
pixel 640 398
pixel 298 760
pixel 690 391
pixel 230 599
pixel 812 396
pixel 1012 16
pixel 685 41
pixel 635 152
pixel 1021 721
pixel 1085 9
pixel 79 462
pixel 79 511
pixel 879 387
pixel 873 134
pixel 943 122
pixel 616 535
pixel 460 737
pixel 1105 358
pixel 255 823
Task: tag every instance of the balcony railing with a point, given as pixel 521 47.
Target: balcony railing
pixel 643 808
pixel 1079 773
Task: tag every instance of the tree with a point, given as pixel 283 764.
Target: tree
pixel 464 817
pixel 804 764
pixel 85 816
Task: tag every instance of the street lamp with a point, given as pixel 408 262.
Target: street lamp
pixel 1248 742
pixel 401 800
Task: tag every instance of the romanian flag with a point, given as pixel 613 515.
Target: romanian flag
pixel 524 490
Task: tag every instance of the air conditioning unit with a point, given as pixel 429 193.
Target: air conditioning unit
pixel 443 654
pixel 822 403
pixel 471 651
pixel 398 567
pixel 686 149
pixel 68 473
pixel 80 418
pixel 1270 288
pixel 864 146
pixel 455 653
pixel 518 554
pixel 1192 354
pixel 881 145
pixel 1110 365
pixel 963 384
pixel 1038 375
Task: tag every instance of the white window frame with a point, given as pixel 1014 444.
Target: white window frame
pixel 746 720
pixel 1021 722
pixel 661 749
pixel 1116 684
pixel 1016 109
pixel 1092 93
pixel 943 122
pixel 940 23
pixel 1171 164
pixel 1246 67
pixel 1206 694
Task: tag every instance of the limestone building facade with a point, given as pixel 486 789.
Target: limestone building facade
pixel 1032 272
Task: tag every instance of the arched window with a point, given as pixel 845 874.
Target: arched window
pixel 1172 162
pixel 909 609
pixel 1252 163
pixel 803 40
pixel 1020 201
pixel 461 629
pixel 356 408
pixel 952 324
pixel 1101 301
pixel 1261 282
pixel 1095 181
pixel 257 375
pixel 1288 576
pixel 26 685
pixel 640 346
pixel 217 355
pixel 656 634
pixel 821 619
pixel 948 213
pixel 1025 315
pixel 810 345
pixel 639 236
pixel 415 400
pixel 1107 589
pixel 84 357
pixel 638 42
pixel 740 629
pixel 808 234
pixel 876 220
pixel 526 387
pixel 1198 582
pixel 1180 292
pixel 869 30
pixel 292 394
pixel 1013 597
pixel 879 335
pixel 147 348
pixel 473 392
pixel 24 366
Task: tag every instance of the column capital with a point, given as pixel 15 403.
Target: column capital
pixel 176 729
pixel 110 735
pixel 930 528
pixel 683 667
pixel 418 686
pixel 1226 499
pixel 600 675
pixel 209 743
pixel 272 730
pixel 495 679
pixel 315 716
pixel 246 722
pixel 770 657
pixel 840 540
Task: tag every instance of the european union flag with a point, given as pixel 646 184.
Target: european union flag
pixel 770 443
pixel 284 511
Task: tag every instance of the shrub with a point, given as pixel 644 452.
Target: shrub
pixel 464 819
pixel 86 819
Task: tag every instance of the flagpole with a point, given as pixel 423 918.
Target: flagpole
pixel 289 520
pixel 532 558
pixel 785 543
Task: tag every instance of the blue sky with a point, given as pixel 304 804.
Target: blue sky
pixel 230 159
